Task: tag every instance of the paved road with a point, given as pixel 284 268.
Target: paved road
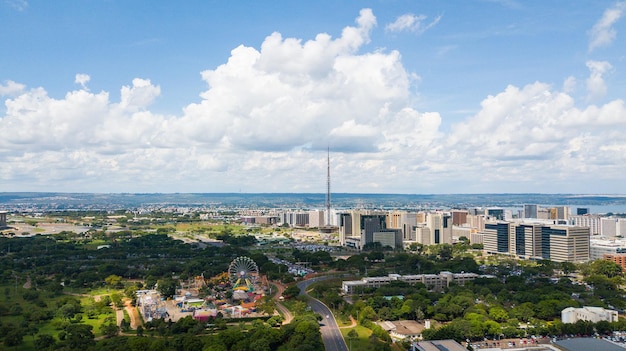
pixel 331 335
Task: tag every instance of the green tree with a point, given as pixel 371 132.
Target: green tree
pixel 67 311
pixel 367 314
pixel 14 337
pixel 78 337
pixel 523 312
pixel 167 287
pixel 291 291
pixel 606 268
pixel 492 328
pixel 547 309
pixel 113 281
pixel 117 300
pixel 110 329
pixel 45 342
pixel 498 314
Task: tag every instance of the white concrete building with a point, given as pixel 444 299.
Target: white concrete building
pixel 432 281
pixel 590 221
pixel 598 247
pixel 588 313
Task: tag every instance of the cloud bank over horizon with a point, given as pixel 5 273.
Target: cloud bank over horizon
pixel 268 115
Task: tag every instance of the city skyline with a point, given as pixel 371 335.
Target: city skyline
pixel 432 97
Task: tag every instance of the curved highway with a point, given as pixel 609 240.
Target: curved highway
pixel 331 335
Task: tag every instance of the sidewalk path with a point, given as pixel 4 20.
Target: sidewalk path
pixel 286 313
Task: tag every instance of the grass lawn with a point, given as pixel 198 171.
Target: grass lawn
pixel 9 299
pixel 363 339
pixel 343 321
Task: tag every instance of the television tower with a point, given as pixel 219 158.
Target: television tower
pixel 328 189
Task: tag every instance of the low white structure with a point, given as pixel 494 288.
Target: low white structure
pixel 432 281
pixel 598 247
pixel 588 313
pixel 404 329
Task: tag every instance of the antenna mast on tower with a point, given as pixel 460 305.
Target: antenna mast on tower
pixel 328 189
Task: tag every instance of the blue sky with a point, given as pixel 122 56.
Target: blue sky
pixel 411 96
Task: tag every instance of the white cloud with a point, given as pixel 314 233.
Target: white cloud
pixel 596 87
pixel 10 88
pixel 412 23
pixel 267 115
pixel 602 33
pixel 569 85
pixel 291 94
pixel 140 95
pixel 281 103
pixel 82 79
pixel 19 5
pixel 538 135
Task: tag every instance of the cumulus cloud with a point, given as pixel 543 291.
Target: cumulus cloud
pixel 281 103
pixel 292 94
pixel 11 88
pixel 82 79
pixel 267 115
pixel 569 85
pixel 596 87
pixel 140 95
pixel 412 23
pixel 536 130
pixel 602 33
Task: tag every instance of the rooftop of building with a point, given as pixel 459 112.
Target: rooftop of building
pixel 403 327
pixel 606 242
pixel 439 345
pixel 586 344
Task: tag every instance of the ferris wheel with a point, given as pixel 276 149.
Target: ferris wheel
pixel 243 273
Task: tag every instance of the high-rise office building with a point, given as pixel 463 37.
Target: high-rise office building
pixel 435 222
pixel 357 227
pixel 422 234
pixel 496 237
pixel 459 217
pixel 496 213
pixel 558 243
pixel 394 219
pixel 476 222
pixel 559 213
pixel 371 223
pixel 528 240
pixel 565 243
pixel 389 237
pixel 531 211
pixel 345 227
pixel 403 220
pixel 447 229
pixel 317 218
pixel 593 222
pixel 582 211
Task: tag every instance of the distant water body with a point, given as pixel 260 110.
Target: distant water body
pixel 614 203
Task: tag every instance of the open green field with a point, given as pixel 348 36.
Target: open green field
pixel 37 312
pixel 361 342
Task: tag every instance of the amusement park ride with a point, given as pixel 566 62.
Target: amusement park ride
pixel 243 273
pixel 242 279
